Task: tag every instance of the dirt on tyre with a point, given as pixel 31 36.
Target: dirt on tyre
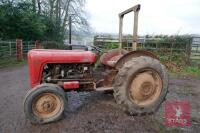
pixel 45 103
pixel 141 85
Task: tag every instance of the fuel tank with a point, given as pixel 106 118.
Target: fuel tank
pixel 37 58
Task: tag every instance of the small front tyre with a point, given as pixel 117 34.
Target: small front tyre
pixel 45 103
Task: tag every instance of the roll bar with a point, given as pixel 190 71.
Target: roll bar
pixel 136 10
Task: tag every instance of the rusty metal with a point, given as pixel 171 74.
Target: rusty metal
pixel 111 57
pixel 94 86
pixel 145 88
pixel 135 30
pixel 109 77
pixel 120 33
pixel 68 80
pixel 19 50
pixel 104 89
pixel 46 105
pixel 135 9
pixel 131 55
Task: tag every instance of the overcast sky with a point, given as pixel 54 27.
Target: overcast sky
pixel 155 17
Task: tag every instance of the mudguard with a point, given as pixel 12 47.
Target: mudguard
pixel 133 54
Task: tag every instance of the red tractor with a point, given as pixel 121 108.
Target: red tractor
pixel 138 79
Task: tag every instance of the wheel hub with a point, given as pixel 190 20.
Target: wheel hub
pixel 46 105
pixel 146 88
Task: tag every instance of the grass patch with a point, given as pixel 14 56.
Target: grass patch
pixel 11 62
pixel 187 71
pixel 193 71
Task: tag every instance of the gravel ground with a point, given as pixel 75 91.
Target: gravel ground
pixel 90 111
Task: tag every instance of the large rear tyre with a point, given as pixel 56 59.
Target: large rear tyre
pixel 141 85
pixel 45 103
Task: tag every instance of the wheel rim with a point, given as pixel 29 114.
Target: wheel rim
pixel 47 105
pixel 146 88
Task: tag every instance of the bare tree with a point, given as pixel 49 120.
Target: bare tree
pixel 34 5
pixel 39 6
pixel 60 10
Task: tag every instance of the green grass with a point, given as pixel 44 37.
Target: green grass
pixel 193 71
pixel 11 62
pixel 187 71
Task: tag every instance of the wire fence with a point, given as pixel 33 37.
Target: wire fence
pixel 195 49
pixel 8 48
pixel 176 52
pixel 11 51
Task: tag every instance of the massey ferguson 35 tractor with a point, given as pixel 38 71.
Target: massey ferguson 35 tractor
pixel 138 79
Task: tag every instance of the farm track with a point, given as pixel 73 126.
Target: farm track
pixel 90 111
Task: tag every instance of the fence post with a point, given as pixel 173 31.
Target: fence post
pixel 28 47
pixel 37 44
pixel 10 47
pixel 19 52
pixel 189 50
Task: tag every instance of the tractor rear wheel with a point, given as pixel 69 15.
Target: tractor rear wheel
pixel 141 85
pixel 45 103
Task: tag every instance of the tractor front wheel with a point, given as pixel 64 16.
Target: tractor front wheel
pixel 141 85
pixel 45 103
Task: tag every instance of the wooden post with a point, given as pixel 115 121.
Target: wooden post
pixel 19 51
pixel 37 44
pixel 10 47
pixel 171 51
pixel 28 47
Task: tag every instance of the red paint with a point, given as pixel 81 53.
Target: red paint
pixel 111 55
pixel 37 58
pixel 177 113
pixel 71 85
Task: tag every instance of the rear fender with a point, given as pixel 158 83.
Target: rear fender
pixel 133 54
pixel 109 55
